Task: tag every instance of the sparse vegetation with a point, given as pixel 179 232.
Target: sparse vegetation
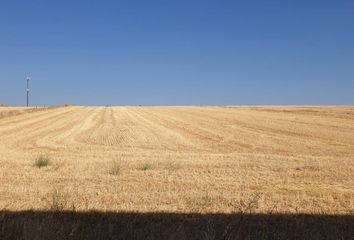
pixel 57 200
pixel 205 202
pixel 42 161
pixel 145 167
pixel 115 169
pixel 173 167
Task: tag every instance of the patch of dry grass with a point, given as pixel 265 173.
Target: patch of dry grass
pixel 182 159
pixel 115 169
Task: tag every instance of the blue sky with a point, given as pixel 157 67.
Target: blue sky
pixel 176 52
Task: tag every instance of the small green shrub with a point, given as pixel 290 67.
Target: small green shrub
pixel 146 167
pixel 42 161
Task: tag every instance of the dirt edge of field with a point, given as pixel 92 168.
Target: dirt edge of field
pixel 125 225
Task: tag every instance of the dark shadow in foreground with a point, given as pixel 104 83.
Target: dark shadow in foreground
pixel 110 225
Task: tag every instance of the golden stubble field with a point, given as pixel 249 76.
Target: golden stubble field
pixel 178 159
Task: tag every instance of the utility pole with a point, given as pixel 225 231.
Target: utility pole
pixel 28 89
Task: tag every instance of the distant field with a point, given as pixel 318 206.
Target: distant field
pixel 179 159
pixel 11 111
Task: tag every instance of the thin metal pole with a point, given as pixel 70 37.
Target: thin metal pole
pixel 28 90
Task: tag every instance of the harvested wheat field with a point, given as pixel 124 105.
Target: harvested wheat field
pixel 181 160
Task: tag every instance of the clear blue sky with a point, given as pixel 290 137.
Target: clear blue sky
pixel 175 52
